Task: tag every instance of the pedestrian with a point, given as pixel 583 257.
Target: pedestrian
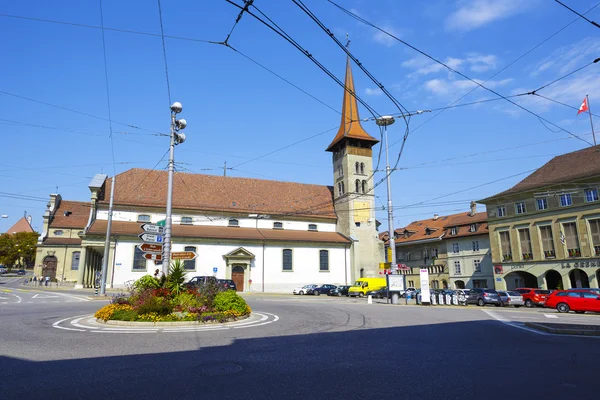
pixel 34 280
pixel 47 280
pixel 41 280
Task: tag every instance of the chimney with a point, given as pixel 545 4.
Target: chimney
pixel 473 208
pixel 435 217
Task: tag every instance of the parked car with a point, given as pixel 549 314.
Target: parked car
pixel 482 297
pixel 323 289
pixel 380 293
pixel 228 284
pixel 510 298
pixel 306 289
pixel 574 300
pixel 409 290
pixel 21 272
pixel 364 285
pixel 3 270
pixel 198 281
pixel 465 292
pixel 595 290
pixel 533 297
pixel 339 291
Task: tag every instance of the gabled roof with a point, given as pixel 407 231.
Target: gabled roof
pixel 418 230
pixel 21 225
pixel 350 126
pixel 564 169
pixel 466 219
pixel 71 214
pixel 143 187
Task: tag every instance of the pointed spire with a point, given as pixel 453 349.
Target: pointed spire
pixel 350 126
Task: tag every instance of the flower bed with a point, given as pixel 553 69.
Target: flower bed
pixel 166 300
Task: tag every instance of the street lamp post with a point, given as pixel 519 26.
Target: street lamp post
pixel 176 137
pixel 261 216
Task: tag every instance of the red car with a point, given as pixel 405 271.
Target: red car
pixel 579 301
pixel 533 297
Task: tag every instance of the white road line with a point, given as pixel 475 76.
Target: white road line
pixel 195 330
pixel 550 316
pixel 131 331
pixel 57 325
pixel 510 323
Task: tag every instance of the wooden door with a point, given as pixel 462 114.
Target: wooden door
pixel 237 275
pixel 49 268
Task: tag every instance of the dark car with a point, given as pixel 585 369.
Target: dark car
pixel 482 297
pixel 199 281
pixel 339 291
pixel 21 272
pixel 379 293
pixel 323 289
pixel 228 284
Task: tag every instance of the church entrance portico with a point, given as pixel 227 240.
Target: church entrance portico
pixel 238 267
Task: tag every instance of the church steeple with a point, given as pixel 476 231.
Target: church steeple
pixel 350 127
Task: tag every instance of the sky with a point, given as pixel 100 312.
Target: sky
pixel 276 122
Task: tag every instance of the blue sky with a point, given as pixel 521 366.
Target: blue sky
pixel 237 111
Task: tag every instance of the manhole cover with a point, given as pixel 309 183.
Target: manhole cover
pixel 221 369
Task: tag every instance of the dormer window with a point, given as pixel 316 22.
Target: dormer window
pixel 312 227
pixel 428 231
pixel 234 222
pixel 187 220
pixel 277 225
pixel 453 230
pixel 143 218
pixel 58 233
pixel 473 228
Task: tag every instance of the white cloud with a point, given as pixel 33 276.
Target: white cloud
pixel 481 62
pixel 473 14
pixel 444 87
pixel 373 92
pixel 476 62
pixel 384 39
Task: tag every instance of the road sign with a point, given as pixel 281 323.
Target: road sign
pixel 150 247
pixel 162 222
pixel 153 256
pixel 153 228
pixel 215 269
pixel 183 255
pixel 151 237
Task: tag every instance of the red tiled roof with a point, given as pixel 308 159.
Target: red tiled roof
pixel 222 232
pixel 71 214
pixel 566 168
pixel 144 187
pixel 466 219
pixel 442 225
pixel 21 225
pixel 56 241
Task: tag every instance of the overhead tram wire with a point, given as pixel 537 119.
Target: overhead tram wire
pixel 164 49
pixel 364 21
pixel 112 143
pixel 247 3
pixel 580 15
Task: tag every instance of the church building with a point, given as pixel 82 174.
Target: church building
pixel 268 236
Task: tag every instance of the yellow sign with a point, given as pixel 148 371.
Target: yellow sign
pixel 362 211
pixel 389 255
pixel 384 265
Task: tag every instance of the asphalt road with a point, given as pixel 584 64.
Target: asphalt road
pixel 318 348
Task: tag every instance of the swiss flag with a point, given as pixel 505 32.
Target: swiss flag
pixel 583 107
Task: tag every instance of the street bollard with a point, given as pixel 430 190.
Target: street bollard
pixel 96 290
pixel 395 298
pixel 369 299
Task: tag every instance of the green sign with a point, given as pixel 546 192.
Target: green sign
pixel 162 222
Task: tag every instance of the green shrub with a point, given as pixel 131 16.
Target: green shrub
pixel 186 300
pixel 146 282
pixel 147 303
pixel 176 277
pixel 229 300
pixel 124 315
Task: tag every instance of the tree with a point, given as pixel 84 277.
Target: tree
pixel 18 249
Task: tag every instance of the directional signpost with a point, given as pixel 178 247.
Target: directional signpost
pixel 153 228
pixel 183 255
pixel 151 247
pixel 153 256
pixel 151 237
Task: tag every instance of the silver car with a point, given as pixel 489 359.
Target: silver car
pixel 510 298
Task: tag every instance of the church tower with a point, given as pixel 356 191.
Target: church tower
pixel 354 198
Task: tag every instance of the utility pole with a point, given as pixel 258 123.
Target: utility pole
pixel 107 240
pixel 176 138
pixel 225 168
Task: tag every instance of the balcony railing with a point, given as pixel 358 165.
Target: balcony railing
pixel 574 252
pixel 549 254
pixel 527 256
pixel 507 257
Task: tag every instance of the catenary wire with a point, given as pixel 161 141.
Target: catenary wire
pixel 112 143
pixel 580 15
pixel 164 50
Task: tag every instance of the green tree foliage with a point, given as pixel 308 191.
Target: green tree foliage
pixel 18 249
pixel 176 277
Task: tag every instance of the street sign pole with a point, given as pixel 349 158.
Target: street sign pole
pixel 107 240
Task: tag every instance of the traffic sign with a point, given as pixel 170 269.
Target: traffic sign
pixel 215 269
pixel 183 255
pixel 150 247
pixel 151 237
pixel 153 256
pixel 153 228
pixel 162 222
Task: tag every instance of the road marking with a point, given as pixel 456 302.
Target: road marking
pixel 3 298
pixel 508 322
pixel 550 316
pixel 43 296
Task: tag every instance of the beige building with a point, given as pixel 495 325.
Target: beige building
pixel 545 231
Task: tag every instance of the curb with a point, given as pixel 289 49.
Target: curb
pixel 172 323
pixel 563 331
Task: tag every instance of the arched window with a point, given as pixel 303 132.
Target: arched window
pixel 364 186
pixel 187 220
pixel 323 260
pixel 75 260
pixel 340 188
pixel 234 222
pixel 357 167
pixel 312 227
pixel 277 225
pixel 343 188
pixel 189 265
pixel 143 218
pixel 357 186
pixel 362 168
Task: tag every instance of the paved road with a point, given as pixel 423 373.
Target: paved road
pixel 321 348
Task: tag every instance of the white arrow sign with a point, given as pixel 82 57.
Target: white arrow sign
pixel 150 237
pixel 153 228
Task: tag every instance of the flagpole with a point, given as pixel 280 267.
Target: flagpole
pixel 591 123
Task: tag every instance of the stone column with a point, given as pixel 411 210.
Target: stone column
pixel 82 266
pixel 566 281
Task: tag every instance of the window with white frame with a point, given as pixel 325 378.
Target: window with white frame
pixel 547 241
pixel 520 207
pixel 566 200
pixel 75 260
pixel 187 220
pixel 457 270
pixel 434 252
pixel 287 260
pixel 341 171
pixel 139 262
pixel 234 222
pixel 312 227
pixel 455 248
pixel 477 266
pixel 542 204
pixel 277 225
pixel 571 239
pixel 453 230
pixel 473 228
pixel 525 240
pixel 323 260
pixel 190 265
pixel 357 167
pixel 362 168
pixel 143 218
pixel 501 211
pixel 505 247
pixel 591 195
pixel 475 245
pixel 357 186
